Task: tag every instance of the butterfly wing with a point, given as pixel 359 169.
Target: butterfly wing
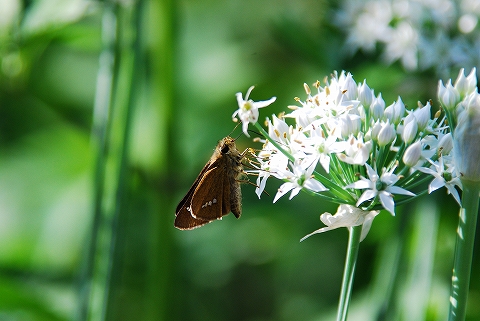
pixel 215 192
pixel 183 217
pixel 209 202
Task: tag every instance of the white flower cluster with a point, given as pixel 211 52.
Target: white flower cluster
pixel 420 33
pixel 461 102
pixel 347 146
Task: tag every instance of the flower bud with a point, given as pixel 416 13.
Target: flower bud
pixel 350 87
pixel 350 124
pixel 445 144
pixel 395 111
pixel 377 107
pixel 466 85
pixel 448 96
pixel 387 134
pixel 410 130
pixel 422 116
pixel 375 130
pixel 412 154
pixel 466 147
pixel 365 94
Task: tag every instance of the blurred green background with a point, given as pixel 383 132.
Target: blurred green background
pixel 108 111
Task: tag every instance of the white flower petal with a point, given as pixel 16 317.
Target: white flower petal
pixel 325 162
pixel 367 223
pixel 361 184
pixel 372 174
pixel 399 190
pixel 367 195
pixel 284 188
pixel 295 192
pixel 436 184
pixel 261 182
pixel 387 202
pixel 264 103
pixel 454 193
pixel 321 230
pixel 314 185
pixel 346 216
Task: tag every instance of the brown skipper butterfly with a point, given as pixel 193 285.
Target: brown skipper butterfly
pixel 216 191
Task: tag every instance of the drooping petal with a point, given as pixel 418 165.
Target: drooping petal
pixel 261 182
pixel 346 216
pixel 454 193
pixel 367 224
pixel 387 201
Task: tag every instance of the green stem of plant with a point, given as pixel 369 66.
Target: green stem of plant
pixel 462 266
pixel 349 272
pixel 95 266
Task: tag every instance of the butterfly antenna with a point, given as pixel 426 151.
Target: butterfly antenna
pixel 234 130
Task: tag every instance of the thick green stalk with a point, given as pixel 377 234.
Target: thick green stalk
pixel 94 272
pixel 462 267
pixel 349 272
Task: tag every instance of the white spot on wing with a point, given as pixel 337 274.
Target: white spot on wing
pixel 209 203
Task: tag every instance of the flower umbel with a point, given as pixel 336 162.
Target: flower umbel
pixel 343 138
pixel 345 145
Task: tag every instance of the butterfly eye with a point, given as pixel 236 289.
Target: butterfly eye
pixel 225 149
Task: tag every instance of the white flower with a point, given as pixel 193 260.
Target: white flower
pixel 279 130
pixel 346 216
pixel 271 161
pixel 382 186
pixel 248 109
pixel 320 147
pixel 300 178
pixel 403 45
pixel 443 177
pixel 356 152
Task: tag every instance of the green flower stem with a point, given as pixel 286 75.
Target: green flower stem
pixel 274 143
pixel 349 271
pixel 462 266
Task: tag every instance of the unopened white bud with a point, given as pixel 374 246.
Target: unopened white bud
pixel 412 154
pixel 387 134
